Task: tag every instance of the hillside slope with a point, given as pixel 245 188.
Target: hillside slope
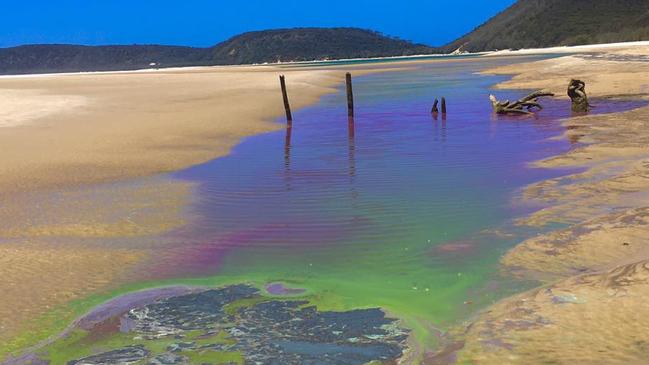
pixel 45 58
pixel 306 44
pixel 299 44
pixel 547 23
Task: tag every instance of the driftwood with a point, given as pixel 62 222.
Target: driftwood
pixel 577 93
pixel 521 106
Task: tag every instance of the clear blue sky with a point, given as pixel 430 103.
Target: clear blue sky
pixel 205 23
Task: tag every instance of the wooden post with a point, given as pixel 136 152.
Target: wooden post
pixel 435 109
pixel 287 107
pixel 443 105
pixel 350 96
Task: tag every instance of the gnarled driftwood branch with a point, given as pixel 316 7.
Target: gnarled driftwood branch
pixel 521 106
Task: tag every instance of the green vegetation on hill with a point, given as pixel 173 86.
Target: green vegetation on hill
pixel 44 58
pixel 299 44
pixel 547 23
pixel 526 24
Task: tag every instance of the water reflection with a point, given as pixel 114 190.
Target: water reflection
pixel 287 157
pixel 351 157
pixel 440 129
pixel 287 148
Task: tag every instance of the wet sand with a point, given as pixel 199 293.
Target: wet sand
pixel 590 319
pixel 38 277
pixel 593 307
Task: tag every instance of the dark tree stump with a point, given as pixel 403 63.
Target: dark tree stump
pixel 577 93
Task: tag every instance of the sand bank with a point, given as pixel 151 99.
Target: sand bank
pixel 589 319
pixel 595 312
pixel 571 49
pixel 82 128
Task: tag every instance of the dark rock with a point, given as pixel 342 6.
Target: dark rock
pixel 126 355
pixel 168 359
pixel 262 330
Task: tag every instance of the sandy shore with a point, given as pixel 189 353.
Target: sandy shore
pixel 75 129
pixel 593 308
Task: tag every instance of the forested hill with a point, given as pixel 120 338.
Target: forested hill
pixel 547 23
pixel 307 44
pixel 299 44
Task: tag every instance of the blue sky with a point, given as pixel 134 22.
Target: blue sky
pixel 205 23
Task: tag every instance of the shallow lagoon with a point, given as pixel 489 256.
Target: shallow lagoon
pixel 407 212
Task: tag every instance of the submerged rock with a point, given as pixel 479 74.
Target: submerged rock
pixel 237 324
pixel 126 355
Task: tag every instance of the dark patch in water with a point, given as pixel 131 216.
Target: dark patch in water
pixel 264 331
pixel 126 355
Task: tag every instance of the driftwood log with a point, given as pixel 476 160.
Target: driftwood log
pixel 521 106
pixel 577 93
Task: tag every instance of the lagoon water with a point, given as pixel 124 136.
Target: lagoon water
pixel 405 211
pixel 401 210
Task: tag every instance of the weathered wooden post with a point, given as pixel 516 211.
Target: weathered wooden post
pixel 577 93
pixel 350 96
pixel 443 105
pixel 435 108
pixel 287 106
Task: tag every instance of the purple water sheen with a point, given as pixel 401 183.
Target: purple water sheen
pixel 281 290
pixel 204 256
pixel 400 176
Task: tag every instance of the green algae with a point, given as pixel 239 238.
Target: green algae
pixel 425 312
pixel 79 344
pixel 215 357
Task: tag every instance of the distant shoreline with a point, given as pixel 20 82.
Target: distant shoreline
pixel 360 61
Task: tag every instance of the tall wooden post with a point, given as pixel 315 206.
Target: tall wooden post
pixel 435 109
pixel 443 105
pixel 350 96
pixel 287 106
